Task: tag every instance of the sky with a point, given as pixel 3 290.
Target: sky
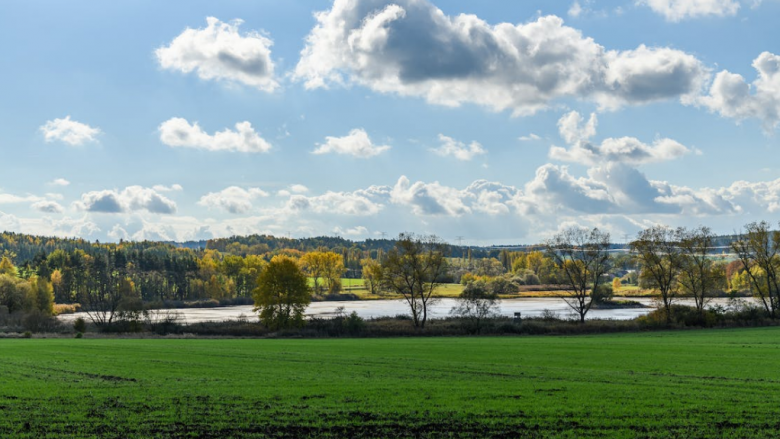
pixel 497 122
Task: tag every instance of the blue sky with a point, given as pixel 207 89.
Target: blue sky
pixel 497 121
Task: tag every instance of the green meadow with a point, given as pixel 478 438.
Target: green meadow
pixel 703 383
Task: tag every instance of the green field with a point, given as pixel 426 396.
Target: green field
pixel 714 383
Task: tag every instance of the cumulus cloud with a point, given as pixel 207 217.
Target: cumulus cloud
pixel 60 182
pixel 386 45
pixel 459 150
pixel 47 206
pixel 573 130
pixel 624 149
pixel 69 131
pixel 553 189
pixel 492 198
pixel 677 10
pixel 178 133
pixel 356 143
pixel 731 95
pixel 357 203
pixel 220 52
pixel 611 189
pixel 613 196
pixel 753 197
pixel 131 199
pixel 429 198
pixel 232 199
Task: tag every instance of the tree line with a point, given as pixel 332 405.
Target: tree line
pixel 581 265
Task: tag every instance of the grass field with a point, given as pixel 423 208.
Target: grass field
pixel 716 383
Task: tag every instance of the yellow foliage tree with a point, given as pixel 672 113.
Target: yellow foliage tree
pixel 616 285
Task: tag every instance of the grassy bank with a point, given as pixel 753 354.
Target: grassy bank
pixel 625 385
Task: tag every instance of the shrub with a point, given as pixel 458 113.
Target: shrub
pixel 503 286
pixel 39 321
pixel 27 334
pixel 79 335
pixel 549 315
pixel 80 325
pixel 354 323
pixel 603 293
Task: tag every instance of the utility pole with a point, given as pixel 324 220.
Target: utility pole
pixel 460 244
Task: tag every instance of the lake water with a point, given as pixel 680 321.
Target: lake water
pixel 529 307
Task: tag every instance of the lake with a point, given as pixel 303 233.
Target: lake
pixel 529 307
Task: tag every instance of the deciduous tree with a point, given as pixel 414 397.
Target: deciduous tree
pixel 757 247
pixel 582 257
pixel 372 275
pixel 412 269
pixel 700 276
pixel 660 257
pixel 282 294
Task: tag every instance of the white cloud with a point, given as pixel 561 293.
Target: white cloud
pixel 131 199
pixel 677 10
pixel 459 150
pixel 295 188
pixel 356 143
pixel 731 96
pixel 492 198
pixel 572 129
pixel 220 52
pixel 177 132
pixel 648 74
pixel 232 199
pixel 69 131
pixel 529 138
pixel 358 203
pixel 575 9
pixel 60 182
pixel 47 206
pixel 612 196
pixel 351 232
pixel 624 149
pixel 13 199
pixel 429 198
pixel 386 45
pixel 554 189
pixel 171 188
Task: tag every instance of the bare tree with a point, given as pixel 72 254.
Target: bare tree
pixel 757 249
pixel 699 275
pixel 412 269
pixel 582 256
pixel 658 251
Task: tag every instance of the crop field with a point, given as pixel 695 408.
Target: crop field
pixel 686 384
